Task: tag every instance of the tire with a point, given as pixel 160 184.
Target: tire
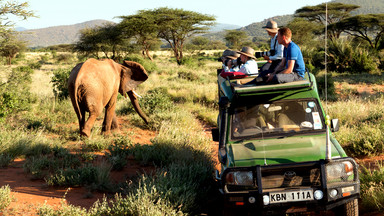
pixel 350 208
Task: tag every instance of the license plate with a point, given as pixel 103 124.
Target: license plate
pixel 291 196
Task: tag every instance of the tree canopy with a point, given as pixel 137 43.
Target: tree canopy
pixel 143 27
pixel 176 25
pixel 369 27
pixel 235 38
pixel 335 13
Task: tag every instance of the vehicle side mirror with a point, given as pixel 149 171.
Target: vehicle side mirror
pixel 335 125
pixel 215 134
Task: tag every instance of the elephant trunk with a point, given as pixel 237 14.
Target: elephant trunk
pixel 135 103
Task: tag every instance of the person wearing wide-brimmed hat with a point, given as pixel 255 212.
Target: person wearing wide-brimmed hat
pixel 227 56
pixel 276 49
pixel 247 62
pixel 249 66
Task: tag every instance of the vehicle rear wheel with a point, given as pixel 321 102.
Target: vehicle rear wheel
pixel 350 208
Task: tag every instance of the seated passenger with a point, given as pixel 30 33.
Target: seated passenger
pixel 291 67
pixel 229 55
pixel 248 64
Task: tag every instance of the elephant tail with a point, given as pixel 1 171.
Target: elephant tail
pixel 136 106
pixel 73 86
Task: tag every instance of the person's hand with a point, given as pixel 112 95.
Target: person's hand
pixel 270 76
pixel 266 57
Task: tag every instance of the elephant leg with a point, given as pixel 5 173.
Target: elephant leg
pixel 114 125
pixel 82 120
pixel 93 113
pixel 109 115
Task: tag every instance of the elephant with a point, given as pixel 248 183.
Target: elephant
pixel 94 85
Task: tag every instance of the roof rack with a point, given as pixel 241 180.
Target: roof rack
pixel 230 88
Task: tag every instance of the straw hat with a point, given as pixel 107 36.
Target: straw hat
pixel 248 51
pixel 271 26
pixel 230 54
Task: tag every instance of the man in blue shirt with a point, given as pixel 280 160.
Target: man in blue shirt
pixel 292 67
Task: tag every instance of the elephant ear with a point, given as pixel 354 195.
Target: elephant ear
pixel 132 74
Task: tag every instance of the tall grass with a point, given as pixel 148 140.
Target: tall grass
pixel 362 125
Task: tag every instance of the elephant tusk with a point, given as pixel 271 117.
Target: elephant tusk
pixel 136 94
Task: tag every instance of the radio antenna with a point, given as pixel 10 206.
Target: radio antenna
pixel 328 152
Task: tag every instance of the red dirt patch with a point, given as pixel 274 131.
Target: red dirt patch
pixel 30 194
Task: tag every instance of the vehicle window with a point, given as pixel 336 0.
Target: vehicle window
pixel 276 118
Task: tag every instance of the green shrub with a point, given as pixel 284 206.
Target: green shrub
pixel 190 76
pixel 14 93
pixel 64 57
pixel 372 189
pixel 36 65
pixel 97 177
pixel 118 153
pixel 59 81
pixel 330 91
pixel 5 197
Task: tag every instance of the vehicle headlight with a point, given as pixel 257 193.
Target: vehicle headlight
pixel 239 178
pixel 340 172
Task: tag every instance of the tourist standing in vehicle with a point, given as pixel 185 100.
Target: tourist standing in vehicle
pixel 291 67
pixel 276 51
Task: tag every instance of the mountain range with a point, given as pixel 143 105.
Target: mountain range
pixel 69 34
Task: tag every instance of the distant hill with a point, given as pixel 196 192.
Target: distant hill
pixel 66 34
pixel 69 34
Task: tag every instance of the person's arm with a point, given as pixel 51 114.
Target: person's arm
pixel 279 67
pixel 291 64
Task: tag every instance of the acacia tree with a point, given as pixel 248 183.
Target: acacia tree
pixel 335 13
pixel 10 44
pixel 176 25
pixel 107 39
pixel 369 27
pixel 235 38
pixel 143 27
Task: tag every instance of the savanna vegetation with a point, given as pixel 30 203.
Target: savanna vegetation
pixel 39 125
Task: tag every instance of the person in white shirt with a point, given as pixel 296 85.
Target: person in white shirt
pixel 276 51
pixel 249 66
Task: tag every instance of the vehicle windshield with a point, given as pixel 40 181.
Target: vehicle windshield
pixel 283 118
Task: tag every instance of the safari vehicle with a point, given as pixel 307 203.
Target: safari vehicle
pixel 277 153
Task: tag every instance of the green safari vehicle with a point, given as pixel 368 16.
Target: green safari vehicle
pixel 277 152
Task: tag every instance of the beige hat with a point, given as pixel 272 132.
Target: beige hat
pixel 271 26
pixel 230 54
pixel 248 51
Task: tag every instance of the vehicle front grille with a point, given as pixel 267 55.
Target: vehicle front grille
pixel 287 177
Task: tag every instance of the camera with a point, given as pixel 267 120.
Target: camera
pixel 235 62
pixel 265 53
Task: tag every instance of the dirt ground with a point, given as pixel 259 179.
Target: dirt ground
pixel 30 194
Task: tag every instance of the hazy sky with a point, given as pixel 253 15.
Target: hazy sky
pixel 242 13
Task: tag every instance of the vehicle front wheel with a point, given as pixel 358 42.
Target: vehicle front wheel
pixel 350 208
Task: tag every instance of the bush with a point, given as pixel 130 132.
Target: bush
pixel 5 197
pixel 372 192
pixel 60 80
pixel 346 57
pixel 330 92
pixel 14 93
pixel 64 57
